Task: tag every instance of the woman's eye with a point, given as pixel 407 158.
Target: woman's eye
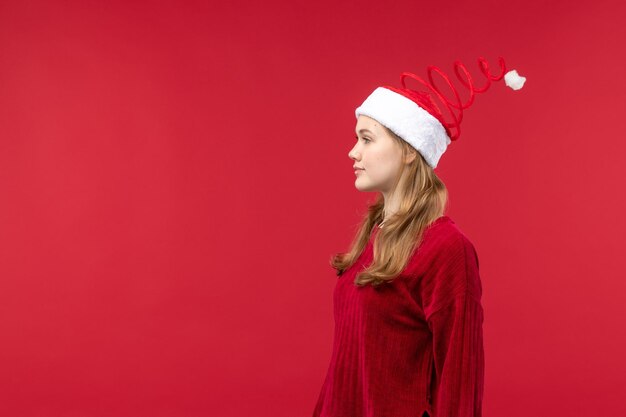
pixel 366 139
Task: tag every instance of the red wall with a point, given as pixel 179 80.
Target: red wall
pixel 174 178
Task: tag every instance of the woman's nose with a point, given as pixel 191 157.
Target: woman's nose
pixel 353 154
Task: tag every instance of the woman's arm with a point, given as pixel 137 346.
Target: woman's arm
pixel 458 358
pixel 456 326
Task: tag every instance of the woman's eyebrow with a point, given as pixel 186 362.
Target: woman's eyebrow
pixel 365 130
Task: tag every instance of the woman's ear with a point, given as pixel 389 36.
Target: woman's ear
pixel 410 157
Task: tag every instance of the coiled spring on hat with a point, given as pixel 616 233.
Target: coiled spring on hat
pixel 424 99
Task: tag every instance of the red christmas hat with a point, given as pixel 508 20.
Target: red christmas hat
pixel 418 117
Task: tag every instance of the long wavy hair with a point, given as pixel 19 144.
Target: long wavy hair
pixel 423 199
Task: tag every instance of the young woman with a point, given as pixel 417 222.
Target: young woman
pixel 408 338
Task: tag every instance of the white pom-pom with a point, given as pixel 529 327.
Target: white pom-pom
pixel 514 80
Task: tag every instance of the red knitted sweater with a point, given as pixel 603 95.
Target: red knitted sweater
pixel 414 345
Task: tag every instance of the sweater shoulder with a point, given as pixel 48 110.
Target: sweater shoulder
pixel 451 264
pixel 444 247
pixel 447 238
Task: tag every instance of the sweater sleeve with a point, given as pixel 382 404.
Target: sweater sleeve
pixel 456 327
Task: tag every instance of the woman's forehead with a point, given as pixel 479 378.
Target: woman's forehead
pixel 367 123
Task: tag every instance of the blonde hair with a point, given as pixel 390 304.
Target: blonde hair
pixel 423 199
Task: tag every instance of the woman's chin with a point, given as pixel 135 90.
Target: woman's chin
pixel 363 187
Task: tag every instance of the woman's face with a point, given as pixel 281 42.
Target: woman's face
pixel 378 154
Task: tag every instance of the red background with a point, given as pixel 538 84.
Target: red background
pixel 174 178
